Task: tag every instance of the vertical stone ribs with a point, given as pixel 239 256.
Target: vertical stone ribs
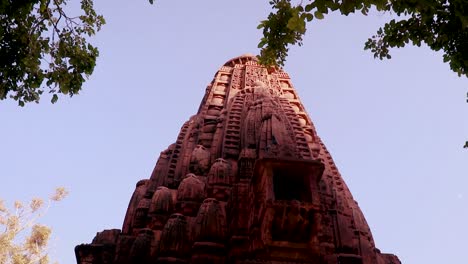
pixel 297 130
pixel 176 154
pixel 231 141
pixel 248 180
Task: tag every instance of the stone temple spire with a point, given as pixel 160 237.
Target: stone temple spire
pixel 246 181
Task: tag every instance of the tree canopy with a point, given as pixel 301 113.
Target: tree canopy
pixel 41 43
pixel 43 47
pixel 440 24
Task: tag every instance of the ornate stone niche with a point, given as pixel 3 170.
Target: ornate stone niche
pixel 287 180
pixel 349 259
pixel 287 203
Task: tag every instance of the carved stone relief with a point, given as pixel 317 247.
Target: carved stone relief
pixel 246 181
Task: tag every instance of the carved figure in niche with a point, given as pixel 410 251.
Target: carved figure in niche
pixel 248 133
pixel 200 160
pixel 291 223
pixel 256 113
pixel 264 129
pixel 294 222
pixel 277 139
pixel 315 149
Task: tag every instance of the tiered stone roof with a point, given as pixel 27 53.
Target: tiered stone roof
pixel 248 180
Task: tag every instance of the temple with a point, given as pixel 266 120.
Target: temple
pixel 247 180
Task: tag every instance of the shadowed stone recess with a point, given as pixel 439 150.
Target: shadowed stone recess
pixel 247 180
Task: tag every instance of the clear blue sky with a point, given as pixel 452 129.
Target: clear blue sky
pixel 395 128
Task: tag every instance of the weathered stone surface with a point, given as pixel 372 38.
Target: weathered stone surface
pixel 140 251
pixel 175 244
pixel 138 194
pixel 162 205
pixel 248 180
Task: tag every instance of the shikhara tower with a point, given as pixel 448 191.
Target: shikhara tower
pixel 248 180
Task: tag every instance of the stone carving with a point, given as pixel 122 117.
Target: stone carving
pixel 124 245
pixel 161 206
pixel 220 173
pixel 141 213
pixel 254 74
pixel 291 223
pixel 191 189
pixel 140 251
pixel 190 194
pixel 174 246
pixel 315 149
pixel 162 202
pixel 217 100
pixel 214 110
pixel 221 87
pixel 224 77
pixel 264 127
pixel 246 181
pixel 200 160
pixel 210 222
pixel 133 204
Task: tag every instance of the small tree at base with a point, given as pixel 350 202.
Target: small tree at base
pixel 22 239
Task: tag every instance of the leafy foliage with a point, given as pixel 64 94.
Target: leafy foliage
pixel 284 27
pixel 22 239
pixel 440 24
pixel 41 45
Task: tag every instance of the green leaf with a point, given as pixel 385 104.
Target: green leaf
pixel 318 15
pixel 261 25
pixel 293 23
pixel 27 29
pixel 54 99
